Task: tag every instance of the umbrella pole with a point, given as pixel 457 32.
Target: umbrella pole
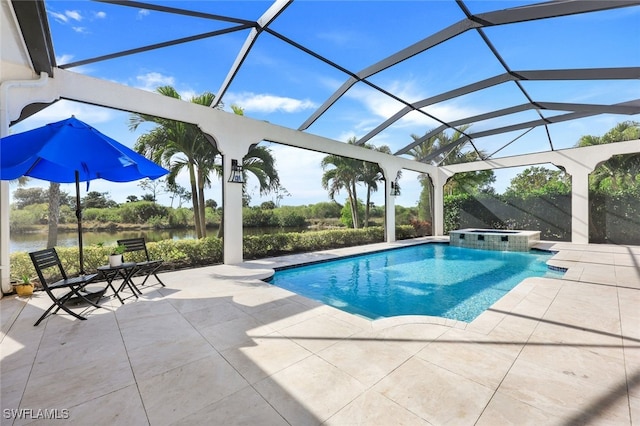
pixel 79 217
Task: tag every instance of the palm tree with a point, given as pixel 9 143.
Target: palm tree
pixel 177 146
pixel 419 152
pixel 259 162
pixel 205 159
pixel 169 145
pixel 370 175
pixel 54 214
pixel 467 181
pixel 620 171
pixel 345 174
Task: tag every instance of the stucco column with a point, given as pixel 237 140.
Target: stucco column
pixel 439 179
pixel 580 207
pixel 4 237
pixel 389 204
pixel 579 201
pixel 5 272
pixel 14 96
pixel 389 215
pixel 232 212
pixel 233 144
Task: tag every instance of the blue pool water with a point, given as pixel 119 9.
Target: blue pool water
pixel 428 279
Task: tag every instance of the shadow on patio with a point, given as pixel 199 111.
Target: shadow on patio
pixel 209 349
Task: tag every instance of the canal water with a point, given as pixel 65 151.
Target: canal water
pixel 32 241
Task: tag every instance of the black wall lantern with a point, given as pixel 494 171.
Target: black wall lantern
pixel 236 172
pixel 395 189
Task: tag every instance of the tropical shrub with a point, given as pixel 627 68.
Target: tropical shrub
pixel 141 211
pixel 405 214
pixel 102 215
pixel 253 217
pixel 205 251
pixel 259 246
pixel 288 218
pixel 345 214
pixel 211 216
pixel 615 217
pixel 550 213
pixel 158 222
pixel 23 220
pixel 179 218
pixel 404 232
pixel 376 211
pixel 67 215
pixel 421 228
pixel 21 265
pixel 324 210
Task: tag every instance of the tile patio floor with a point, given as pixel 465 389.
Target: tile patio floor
pixel 218 346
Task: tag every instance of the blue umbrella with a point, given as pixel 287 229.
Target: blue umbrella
pixel 72 151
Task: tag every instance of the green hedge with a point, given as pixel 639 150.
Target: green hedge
pixel 614 218
pixel 550 214
pixel 253 217
pixel 259 246
pixel 209 251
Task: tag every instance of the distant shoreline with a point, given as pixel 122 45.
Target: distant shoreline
pixel 95 227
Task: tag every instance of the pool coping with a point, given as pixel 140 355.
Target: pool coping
pixel 381 250
pixel 349 256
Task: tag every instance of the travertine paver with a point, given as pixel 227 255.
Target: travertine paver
pixel 219 346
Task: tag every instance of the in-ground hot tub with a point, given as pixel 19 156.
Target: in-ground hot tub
pixel 494 239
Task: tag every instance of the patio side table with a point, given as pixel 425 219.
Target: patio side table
pixel 124 271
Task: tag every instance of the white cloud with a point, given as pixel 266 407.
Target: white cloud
pixel 300 173
pixel 73 14
pixel 384 107
pixel 100 15
pixel 68 58
pixel 187 94
pixel 142 13
pixel 60 17
pixel 252 102
pixel 346 135
pixel 64 59
pixel 151 80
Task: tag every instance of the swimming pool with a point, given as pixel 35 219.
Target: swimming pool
pixel 428 279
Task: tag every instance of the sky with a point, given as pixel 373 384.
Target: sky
pixel 283 85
